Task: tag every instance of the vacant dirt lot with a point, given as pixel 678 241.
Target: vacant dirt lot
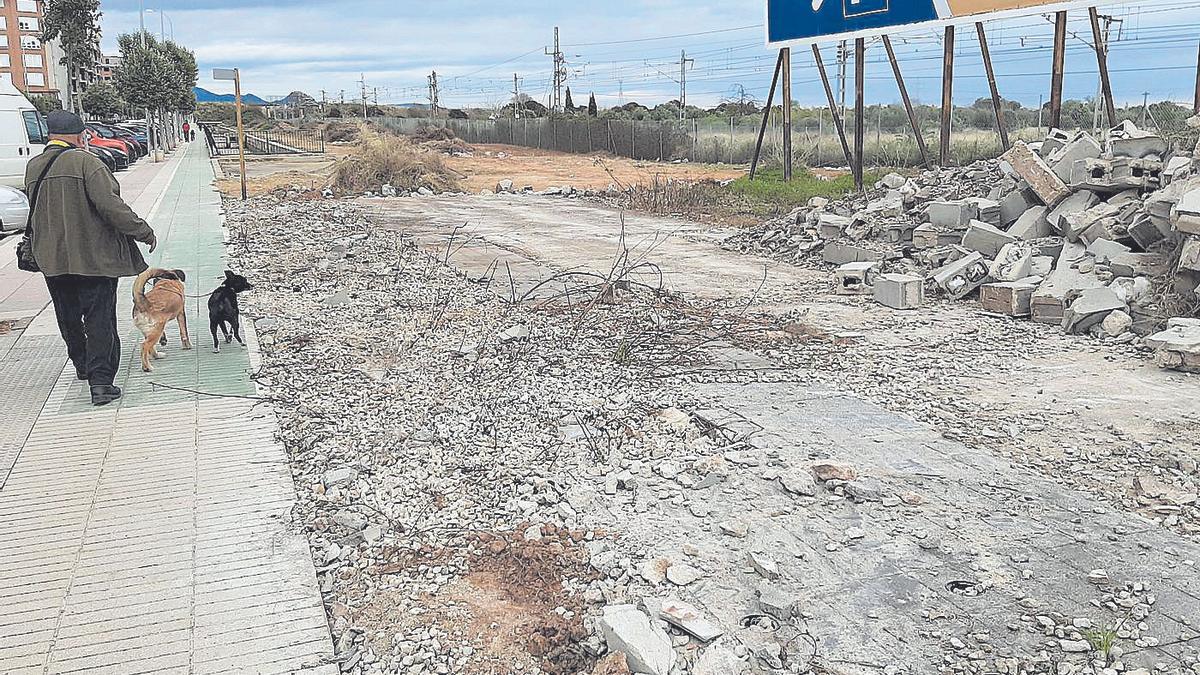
pixel 488 165
pixel 491 164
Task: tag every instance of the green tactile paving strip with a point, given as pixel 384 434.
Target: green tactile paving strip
pixel 191 238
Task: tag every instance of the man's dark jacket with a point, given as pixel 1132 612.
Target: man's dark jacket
pixel 81 225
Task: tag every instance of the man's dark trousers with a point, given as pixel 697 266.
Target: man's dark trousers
pixel 86 308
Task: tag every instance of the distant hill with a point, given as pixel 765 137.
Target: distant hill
pixel 205 96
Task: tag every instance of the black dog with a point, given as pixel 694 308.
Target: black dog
pixel 223 309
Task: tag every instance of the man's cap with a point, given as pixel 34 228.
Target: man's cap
pixel 64 123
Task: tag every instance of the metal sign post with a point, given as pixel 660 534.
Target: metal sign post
pixel 233 74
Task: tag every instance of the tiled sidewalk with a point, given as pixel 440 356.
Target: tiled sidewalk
pixel 154 535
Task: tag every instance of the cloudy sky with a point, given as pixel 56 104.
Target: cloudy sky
pixel 628 49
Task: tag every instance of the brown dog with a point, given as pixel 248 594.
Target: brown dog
pixel 154 309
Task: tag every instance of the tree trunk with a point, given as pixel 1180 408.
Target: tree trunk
pixel 70 87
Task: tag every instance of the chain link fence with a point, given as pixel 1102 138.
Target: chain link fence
pixel 889 139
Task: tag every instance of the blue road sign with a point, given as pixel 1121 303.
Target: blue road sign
pixel 810 19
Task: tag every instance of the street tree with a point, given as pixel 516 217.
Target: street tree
pixel 76 25
pixel 593 110
pixel 569 106
pixel 45 103
pixel 101 100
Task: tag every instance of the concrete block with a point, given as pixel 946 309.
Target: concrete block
pixel 1078 202
pixel 855 278
pixel 1186 214
pixel 952 215
pixel 898 233
pixel 1016 204
pixel 1126 140
pixel 1055 140
pixel 987 210
pixel 1144 231
pixel 962 276
pixel 899 291
pixel 928 236
pixel 1041 266
pixel 1011 298
pixel 831 226
pixel 985 238
pixel 1014 261
pixel 1032 169
pixel 1089 309
pixel 1032 224
pixel 1081 147
pixel 840 254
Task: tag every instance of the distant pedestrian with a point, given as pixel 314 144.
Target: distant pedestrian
pixel 193 136
pixel 83 240
pixel 187 129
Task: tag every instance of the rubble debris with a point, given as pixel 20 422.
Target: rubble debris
pixel 647 648
pixel 986 239
pixel 1010 298
pixel 1090 308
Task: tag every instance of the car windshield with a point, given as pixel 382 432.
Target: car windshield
pixel 103 132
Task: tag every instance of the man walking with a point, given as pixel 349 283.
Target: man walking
pixel 83 237
pixel 187 129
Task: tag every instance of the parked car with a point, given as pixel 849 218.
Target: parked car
pixel 23 134
pixel 14 210
pixel 94 135
pixel 107 156
pixel 118 147
pixel 136 149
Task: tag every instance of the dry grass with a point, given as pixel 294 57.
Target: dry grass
pixel 379 159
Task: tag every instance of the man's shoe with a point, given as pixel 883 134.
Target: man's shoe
pixel 103 394
pixel 80 375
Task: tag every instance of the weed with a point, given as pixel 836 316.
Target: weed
pixel 1102 640
pixel 769 187
pixel 383 158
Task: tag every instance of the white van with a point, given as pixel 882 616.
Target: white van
pixel 23 134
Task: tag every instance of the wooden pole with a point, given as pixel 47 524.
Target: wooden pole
pixel 762 130
pixel 833 106
pixel 1196 103
pixel 860 70
pixel 908 109
pixel 991 76
pixel 1101 44
pixel 786 67
pixel 1057 67
pixel 237 90
pixel 947 96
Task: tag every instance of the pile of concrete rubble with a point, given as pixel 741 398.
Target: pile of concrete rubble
pixel 1098 238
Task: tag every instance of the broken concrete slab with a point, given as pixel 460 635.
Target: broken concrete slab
pixel 986 210
pixel 1032 224
pixel 646 647
pixel 1185 216
pixel 1126 140
pixel 689 619
pixel 1081 147
pixel 1026 164
pixel 1178 347
pixel 1104 249
pixel 1090 308
pixel 899 291
pixel 1189 256
pixel 831 226
pixel 1078 202
pixel 1015 205
pixel 774 601
pixel 962 276
pixel 1094 223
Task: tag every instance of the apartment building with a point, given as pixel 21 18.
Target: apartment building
pixel 107 66
pixel 23 57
